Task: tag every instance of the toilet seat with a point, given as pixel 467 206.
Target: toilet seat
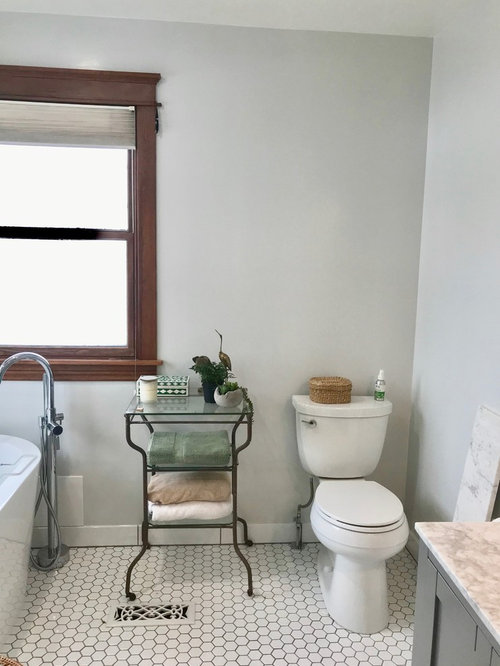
pixel 358 505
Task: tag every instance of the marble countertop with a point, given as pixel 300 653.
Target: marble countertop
pixel 470 555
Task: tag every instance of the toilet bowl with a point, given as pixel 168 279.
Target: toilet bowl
pixel 359 523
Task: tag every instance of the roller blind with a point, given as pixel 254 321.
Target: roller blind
pixel 67 124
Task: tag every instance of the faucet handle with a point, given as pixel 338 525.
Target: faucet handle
pixel 55 428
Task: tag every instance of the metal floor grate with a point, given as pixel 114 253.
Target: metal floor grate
pixel 136 614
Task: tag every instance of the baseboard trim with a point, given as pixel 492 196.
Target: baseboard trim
pixel 129 535
pixel 91 535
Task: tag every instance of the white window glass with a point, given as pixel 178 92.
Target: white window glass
pixel 63 293
pixel 57 186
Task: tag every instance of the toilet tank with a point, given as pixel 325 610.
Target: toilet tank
pixel 341 441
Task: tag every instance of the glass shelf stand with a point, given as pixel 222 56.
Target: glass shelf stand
pixel 170 412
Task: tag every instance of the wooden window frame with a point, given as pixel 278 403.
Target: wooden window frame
pixel 78 86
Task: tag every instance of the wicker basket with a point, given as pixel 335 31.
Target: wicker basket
pixel 5 661
pixel 330 390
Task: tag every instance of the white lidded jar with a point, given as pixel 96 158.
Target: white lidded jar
pixel 148 388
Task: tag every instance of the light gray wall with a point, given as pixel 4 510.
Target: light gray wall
pixel 457 355
pixel 290 186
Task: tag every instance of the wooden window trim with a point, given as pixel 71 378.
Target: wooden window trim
pixel 44 84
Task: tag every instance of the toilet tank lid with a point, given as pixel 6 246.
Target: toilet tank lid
pixel 360 406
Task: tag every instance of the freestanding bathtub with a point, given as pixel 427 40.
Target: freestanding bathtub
pixel 19 462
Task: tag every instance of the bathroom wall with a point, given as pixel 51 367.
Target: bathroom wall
pixel 458 323
pixel 290 188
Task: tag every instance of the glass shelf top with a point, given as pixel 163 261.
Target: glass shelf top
pixel 193 405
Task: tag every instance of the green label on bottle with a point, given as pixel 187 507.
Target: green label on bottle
pixel 379 395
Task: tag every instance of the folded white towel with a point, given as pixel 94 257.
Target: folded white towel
pixel 191 510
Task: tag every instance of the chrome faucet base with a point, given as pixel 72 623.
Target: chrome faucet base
pixel 45 557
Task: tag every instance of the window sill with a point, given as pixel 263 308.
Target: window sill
pixel 84 370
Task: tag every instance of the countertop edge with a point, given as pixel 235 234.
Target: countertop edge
pixel 440 538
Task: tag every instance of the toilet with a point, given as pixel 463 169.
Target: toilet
pixel 359 523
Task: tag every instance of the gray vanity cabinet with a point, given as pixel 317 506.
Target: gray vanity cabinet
pixel 446 632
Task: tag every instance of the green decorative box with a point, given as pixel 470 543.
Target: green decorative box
pixel 169 385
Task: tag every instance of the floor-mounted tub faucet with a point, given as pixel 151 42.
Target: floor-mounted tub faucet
pixel 56 554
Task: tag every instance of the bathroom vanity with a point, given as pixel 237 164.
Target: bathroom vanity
pixel 457 614
pixel 188 415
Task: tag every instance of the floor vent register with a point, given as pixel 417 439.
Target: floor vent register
pixel 135 614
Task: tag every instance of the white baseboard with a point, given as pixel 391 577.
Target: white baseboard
pixel 185 536
pixel 277 533
pixel 91 535
pixel 130 535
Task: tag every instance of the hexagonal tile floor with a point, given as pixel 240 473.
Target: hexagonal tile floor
pixel 285 622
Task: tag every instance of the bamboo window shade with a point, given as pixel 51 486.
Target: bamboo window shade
pixel 67 124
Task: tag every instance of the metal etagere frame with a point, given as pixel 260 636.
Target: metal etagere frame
pixel 191 410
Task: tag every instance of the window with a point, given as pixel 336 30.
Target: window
pixel 77 221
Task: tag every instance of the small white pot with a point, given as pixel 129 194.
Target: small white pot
pixel 230 399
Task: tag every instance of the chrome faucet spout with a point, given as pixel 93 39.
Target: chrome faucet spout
pixel 48 385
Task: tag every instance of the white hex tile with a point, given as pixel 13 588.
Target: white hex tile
pixel 284 623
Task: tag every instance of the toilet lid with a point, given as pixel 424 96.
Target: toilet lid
pixel 358 502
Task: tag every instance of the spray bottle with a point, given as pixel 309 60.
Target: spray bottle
pixel 379 393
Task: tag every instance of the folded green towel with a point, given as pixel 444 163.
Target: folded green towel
pixel 189 448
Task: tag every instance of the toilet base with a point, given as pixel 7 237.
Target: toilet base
pixel 354 591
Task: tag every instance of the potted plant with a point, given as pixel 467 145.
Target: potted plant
pixel 228 394
pixel 212 374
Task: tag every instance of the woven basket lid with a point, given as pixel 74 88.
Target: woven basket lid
pixel 330 383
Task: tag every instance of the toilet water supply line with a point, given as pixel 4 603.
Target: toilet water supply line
pixel 56 554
